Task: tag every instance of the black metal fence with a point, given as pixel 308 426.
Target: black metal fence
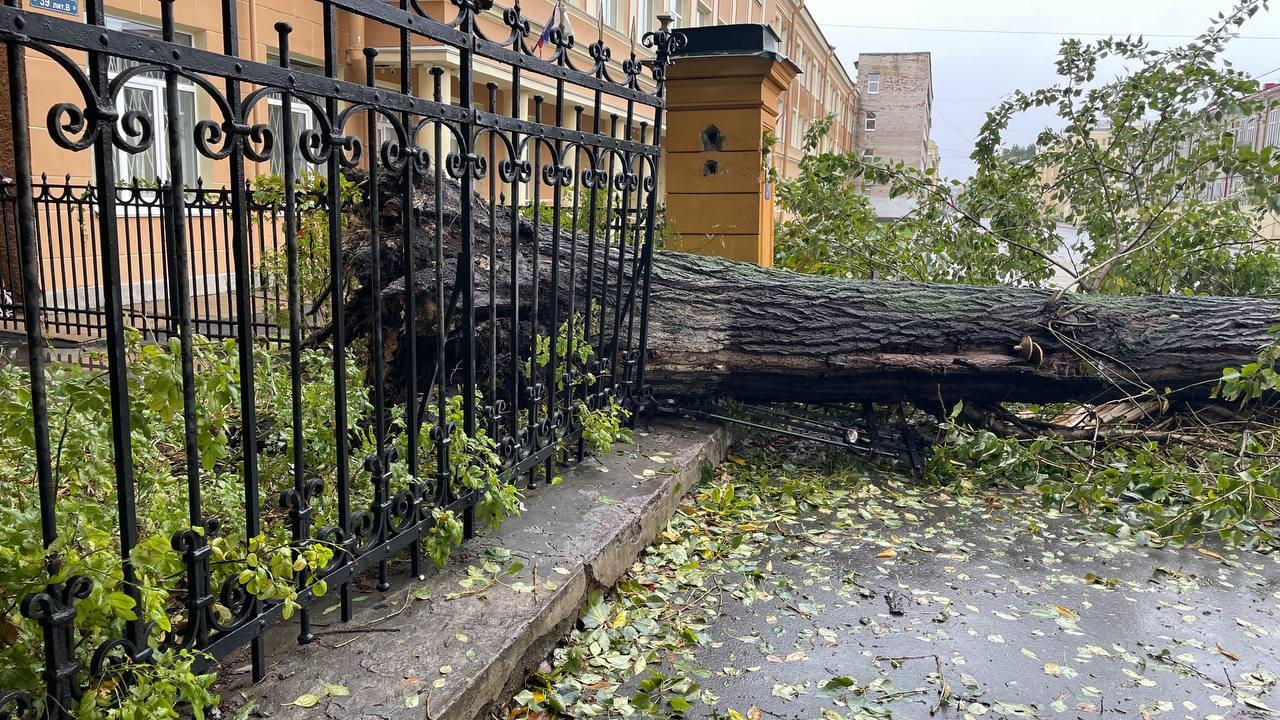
pixel 72 300
pixel 561 329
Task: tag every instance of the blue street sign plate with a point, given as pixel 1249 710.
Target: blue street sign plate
pixel 66 7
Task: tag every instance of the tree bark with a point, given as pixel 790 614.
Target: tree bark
pixel 720 328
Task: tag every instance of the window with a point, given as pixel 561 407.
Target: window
pixel 868 153
pixel 870 123
pixel 145 94
pixel 612 12
pixel 303 119
pixel 873 83
pixel 681 9
pixel 648 18
pixel 1273 128
pixel 387 132
pixel 1249 132
pixel 704 14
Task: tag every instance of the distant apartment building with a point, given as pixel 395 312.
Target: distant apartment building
pixel 1258 131
pixel 895 110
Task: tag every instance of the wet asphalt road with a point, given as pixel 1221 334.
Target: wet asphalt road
pixel 1025 611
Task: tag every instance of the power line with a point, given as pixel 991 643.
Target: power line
pixel 952 126
pixel 1051 33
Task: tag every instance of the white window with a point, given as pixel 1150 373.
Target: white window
pixel 648 18
pixel 612 12
pixel 387 131
pixel 870 123
pixel 704 15
pixel 873 83
pixel 1249 132
pixel 145 94
pixel 1273 128
pixel 303 119
pixel 681 10
pixel 868 153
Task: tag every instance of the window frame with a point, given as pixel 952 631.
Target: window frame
pixel 612 12
pixel 873 83
pixel 275 102
pixel 869 121
pixel 154 84
pixel 703 15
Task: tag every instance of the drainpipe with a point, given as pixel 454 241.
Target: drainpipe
pixel 355 51
pixel 253 31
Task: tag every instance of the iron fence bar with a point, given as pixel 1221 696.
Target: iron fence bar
pixel 337 317
pixel 296 500
pixel 520 172
pixel 58 252
pixel 408 152
pixel 494 404
pixel 571 370
pixel 663 43
pixel 442 431
pixel 609 214
pixel 642 187
pixel 31 303
pixel 179 239
pixel 377 465
pixel 466 258
pixel 616 377
pixel 97 266
pixel 553 323
pixel 536 388
pixel 104 115
pixel 76 213
pixel 245 314
pixel 596 184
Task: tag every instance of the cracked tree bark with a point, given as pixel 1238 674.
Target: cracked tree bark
pixel 719 328
pixel 724 328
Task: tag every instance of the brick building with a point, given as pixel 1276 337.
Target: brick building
pixel 895 110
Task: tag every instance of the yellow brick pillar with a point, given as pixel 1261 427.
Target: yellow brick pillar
pixel 722 98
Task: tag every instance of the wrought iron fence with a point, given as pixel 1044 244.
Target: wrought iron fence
pixel 509 331
pixel 67 257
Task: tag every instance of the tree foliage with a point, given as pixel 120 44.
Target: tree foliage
pixel 1118 197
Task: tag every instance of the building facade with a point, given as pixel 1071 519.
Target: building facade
pixel 895 110
pixel 824 87
pixel 1259 132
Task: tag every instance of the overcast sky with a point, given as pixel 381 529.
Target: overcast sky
pixel 973 70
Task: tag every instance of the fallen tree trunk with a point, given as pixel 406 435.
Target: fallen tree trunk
pixel 732 329
pixel 719 328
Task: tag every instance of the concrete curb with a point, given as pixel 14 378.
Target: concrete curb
pixel 580 535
